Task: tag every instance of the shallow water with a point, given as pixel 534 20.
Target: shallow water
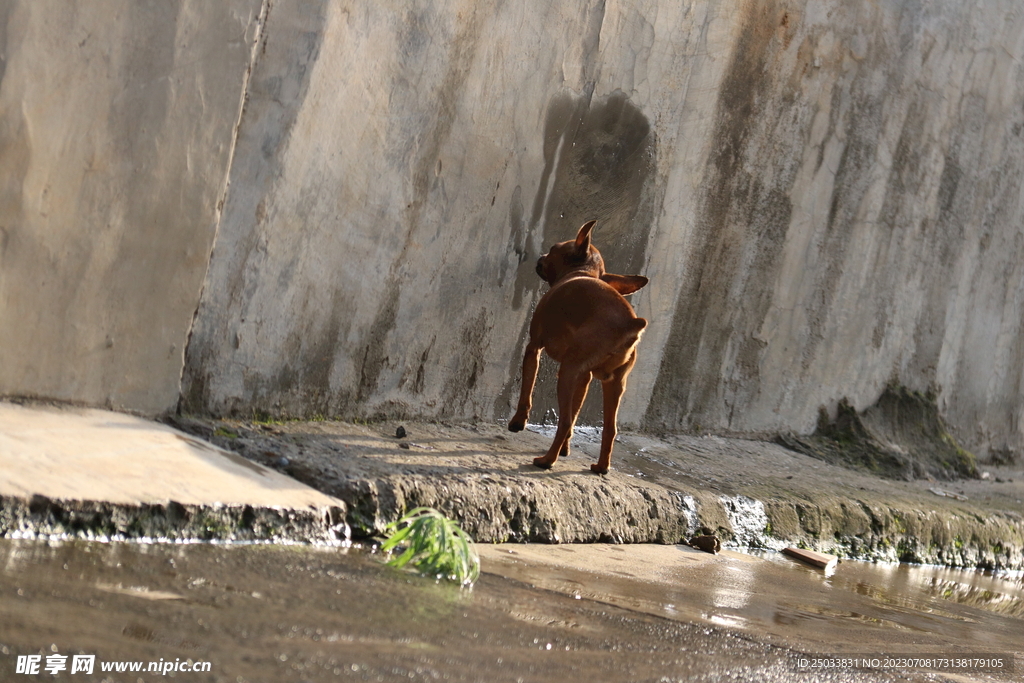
pixel 860 607
pixel 296 613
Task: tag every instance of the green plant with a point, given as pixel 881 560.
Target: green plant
pixel 434 545
pixel 260 419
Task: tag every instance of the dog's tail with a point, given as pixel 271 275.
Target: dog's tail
pixel 636 330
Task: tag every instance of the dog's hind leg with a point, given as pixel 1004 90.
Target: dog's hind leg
pixel 612 390
pixel 572 390
pixel 531 360
pixel 578 398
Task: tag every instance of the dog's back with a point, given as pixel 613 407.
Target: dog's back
pixel 586 320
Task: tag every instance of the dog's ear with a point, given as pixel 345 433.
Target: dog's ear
pixel 583 237
pixel 625 284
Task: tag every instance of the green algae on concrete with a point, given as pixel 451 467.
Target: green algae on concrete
pixel 890 532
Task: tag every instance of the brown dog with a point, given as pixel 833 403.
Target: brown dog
pixel 590 330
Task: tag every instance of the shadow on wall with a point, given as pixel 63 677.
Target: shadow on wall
pixel 600 158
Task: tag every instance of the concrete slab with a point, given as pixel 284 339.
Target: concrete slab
pixel 661 490
pixel 65 455
pixel 67 471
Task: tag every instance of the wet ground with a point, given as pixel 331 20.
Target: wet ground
pixel 555 613
pixel 858 607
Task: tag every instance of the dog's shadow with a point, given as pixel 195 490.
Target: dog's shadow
pixel 560 472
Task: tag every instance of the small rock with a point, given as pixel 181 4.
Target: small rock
pixel 709 543
pixel 282 462
pixel 400 433
pixel 404 445
pixel 986 475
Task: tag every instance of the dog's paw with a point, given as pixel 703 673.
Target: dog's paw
pixel 515 425
pixel 598 470
pixel 542 463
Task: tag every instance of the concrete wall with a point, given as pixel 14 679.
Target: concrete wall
pixel 825 195
pixel 116 121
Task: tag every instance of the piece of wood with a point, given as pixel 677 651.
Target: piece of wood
pixel 820 560
pixel 948 494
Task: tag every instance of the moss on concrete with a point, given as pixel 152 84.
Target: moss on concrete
pixel 894 532
pixel 902 436
pixel 46 517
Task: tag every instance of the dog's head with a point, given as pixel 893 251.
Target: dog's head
pixel 580 257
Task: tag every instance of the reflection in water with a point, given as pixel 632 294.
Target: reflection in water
pixel 861 607
pixel 990 597
pixel 731 588
pixel 729 622
pixel 936 590
pixel 960 608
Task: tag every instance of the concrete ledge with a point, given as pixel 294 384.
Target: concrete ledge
pixel 42 517
pixel 93 473
pixel 661 490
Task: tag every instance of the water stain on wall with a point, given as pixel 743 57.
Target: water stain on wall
pixel 712 353
pixel 461 386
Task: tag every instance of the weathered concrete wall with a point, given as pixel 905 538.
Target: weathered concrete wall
pixel 858 220
pixel 825 195
pixel 116 122
pixel 382 261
